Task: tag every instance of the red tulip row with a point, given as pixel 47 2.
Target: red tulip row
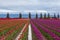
pixel 24 33
pixel 9 27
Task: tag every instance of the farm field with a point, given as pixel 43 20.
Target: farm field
pixel 11 28
pixel 45 29
pixel 29 29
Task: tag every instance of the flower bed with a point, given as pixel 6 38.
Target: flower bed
pixel 10 28
pixel 48 28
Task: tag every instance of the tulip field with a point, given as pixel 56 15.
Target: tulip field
pixel 39 29
pixel 10 28
pixel 45 29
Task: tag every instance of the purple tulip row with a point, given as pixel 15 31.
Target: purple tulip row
pixel 47 31
pixel 52 22
pixel 48 24
pixel 37 32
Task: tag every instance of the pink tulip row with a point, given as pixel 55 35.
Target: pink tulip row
pixel 49 25
pixel 52 22
pixel 53 35
pixel 37 32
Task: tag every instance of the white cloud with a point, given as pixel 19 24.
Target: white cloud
pixel 36 11
pixel 2 10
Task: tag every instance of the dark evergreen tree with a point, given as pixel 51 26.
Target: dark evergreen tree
pixel 29 15
pixel 54 15
pixel 20 15
pixel 40 15
pixel 48 15
pixel 7 15
pixel 45 15
pixel 36 15
pixel 58 16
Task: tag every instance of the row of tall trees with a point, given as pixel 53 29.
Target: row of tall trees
pixel 49 16
pixel 41 16
pixel 20 15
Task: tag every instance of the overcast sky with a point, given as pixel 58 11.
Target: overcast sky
pixel 30 4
